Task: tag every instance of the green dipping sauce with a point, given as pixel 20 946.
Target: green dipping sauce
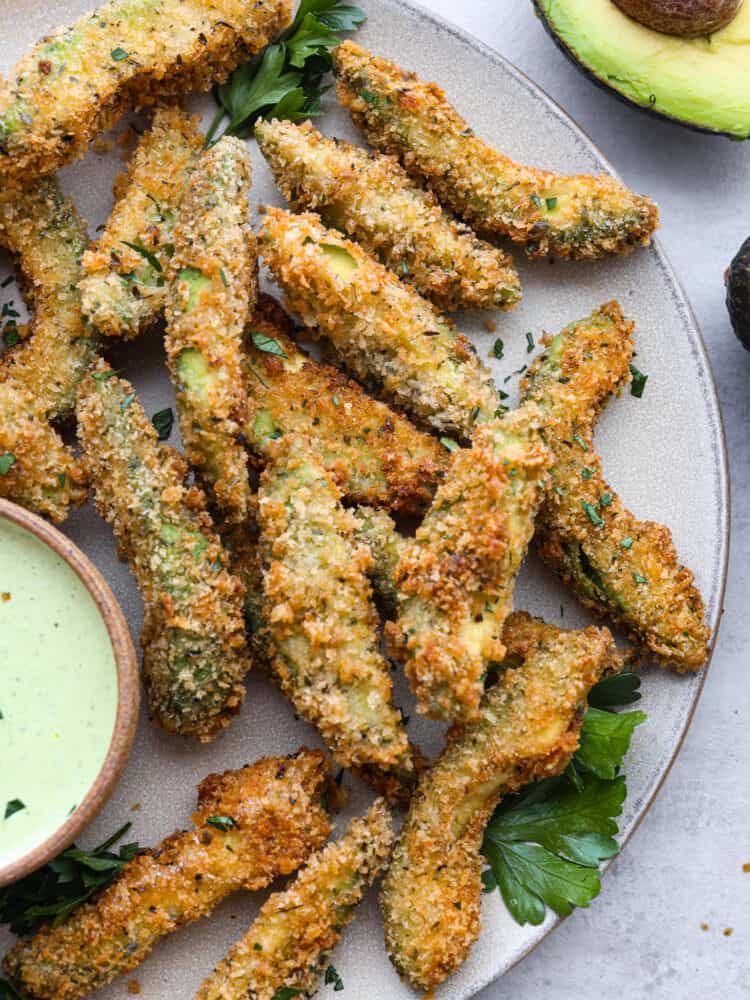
pixel 58 691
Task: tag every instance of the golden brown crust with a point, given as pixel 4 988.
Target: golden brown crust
pixel 128 54
pixel 289 944
pixel 527 728
pixel 123 292
pixel 579 216
pixel 277 820
pixel 375 454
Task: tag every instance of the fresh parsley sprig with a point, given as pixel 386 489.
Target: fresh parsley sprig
pixel 56 889
pixel 288 80
pixel 545 846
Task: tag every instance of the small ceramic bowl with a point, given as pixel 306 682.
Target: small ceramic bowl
pixel 127 695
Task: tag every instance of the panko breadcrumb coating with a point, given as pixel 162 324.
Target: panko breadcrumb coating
pixel 527 729
pixel 211 294
pixel 123 290
pixel 456 578
pixel 375 454
pixel 194 653
pixel 579 216
pixel 319 611
pixel 372 200
pixel 274 819
pixel 379 533
pixel 126 55
pixel 388 336
pixel 289 944
pixel 625 569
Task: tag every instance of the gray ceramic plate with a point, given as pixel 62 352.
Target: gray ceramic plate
pixel 665 453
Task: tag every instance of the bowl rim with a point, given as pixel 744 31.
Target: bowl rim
pixel 128 692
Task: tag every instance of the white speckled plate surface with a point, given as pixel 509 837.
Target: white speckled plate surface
pixel 664 453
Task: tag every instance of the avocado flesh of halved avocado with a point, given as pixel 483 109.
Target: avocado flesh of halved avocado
pixel 703 82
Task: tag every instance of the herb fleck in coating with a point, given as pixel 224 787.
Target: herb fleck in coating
pixel 211 293
pixel 386 334
pixel 290 942
pixel 194 655
pixel 373 200
pixel 126 55
pixel 456 579
pixel 278 819
pixel 580 216
pixel 617 565
pixel 527 729
pixel 123 290
pixel 375 454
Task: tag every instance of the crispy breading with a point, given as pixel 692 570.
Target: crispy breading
pixel 194 653
pixel 456 578
pixel 275 820
pixel 319 611
pixel 579 216
pixel 387 335
pixel 126 55
pixel 212 289
pixel 373 200
pixel 625 569
pixel 375 454
pixel 123 290
pixel 527 729
pixel 289 944
pixel 379 533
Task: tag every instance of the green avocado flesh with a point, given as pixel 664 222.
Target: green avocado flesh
pixel 704 82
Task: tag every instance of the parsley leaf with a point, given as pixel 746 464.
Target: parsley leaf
pixel 605 738
pixel 619 689
pixel 286 993
pixel 7 460
pixel 287 81
pixel 163 421
pixel 12 806
pixel 333 978
pixel 60 886
pixel 222 822
pixel 267 344
pixel 147 255
pixel 638 382
pixel 449 443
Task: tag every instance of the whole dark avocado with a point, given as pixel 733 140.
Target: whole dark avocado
pixel 703 82
pixel 682 17
pixel 737 281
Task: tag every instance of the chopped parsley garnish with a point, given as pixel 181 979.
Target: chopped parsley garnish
pixel 551 204
pixel 223 276
pixel 627 543
pixel 605 500
pixel 11 336
pixel 119 54
pixel 106 374
pixel 267 344
pixel 333 978
pixel 145 253
pixel 290 77
pixel 579 440
pixel 163 421
pixel 127 401
pixel 501 394
pixel 497 349
pixel 369 98
pixel 12 806
pixel 638 578
pixel 545 846
pixel 286 993
pixel 8 281
pixel 586 474
pixel 60 886
pixel 222 822
pixel 536 199
pixel 404 267
pixel 638 383
pixel 7 460
pixel 257 946
pixel 530 342
pixel 449 443
pixel 592 513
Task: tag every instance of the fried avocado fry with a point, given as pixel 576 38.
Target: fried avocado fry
pixel 620 567
pixel 194 655
pixel 580 216
pixel 211 293
pixel 123 291
pixel 286 950
pixel 372 199
pixel 126 55
pixel 527 729
pixel 43 230
pixel 456 578
pixel 274 820
pixel 40 472
pixel 387 336
pixel 375 455
pixel 320 614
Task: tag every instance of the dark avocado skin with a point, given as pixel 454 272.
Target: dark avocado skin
pixel 603 85
pixel 738 294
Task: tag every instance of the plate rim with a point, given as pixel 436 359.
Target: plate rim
pixel 716 419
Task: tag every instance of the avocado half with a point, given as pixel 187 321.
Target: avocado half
pixel 703 83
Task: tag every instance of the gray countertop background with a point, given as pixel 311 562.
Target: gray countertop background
pixel 646 935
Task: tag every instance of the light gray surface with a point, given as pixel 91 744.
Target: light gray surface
pixel 162 774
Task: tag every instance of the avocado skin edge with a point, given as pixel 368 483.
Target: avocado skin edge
pixel 603 85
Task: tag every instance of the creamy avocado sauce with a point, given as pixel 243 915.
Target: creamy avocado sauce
pixel 58 691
